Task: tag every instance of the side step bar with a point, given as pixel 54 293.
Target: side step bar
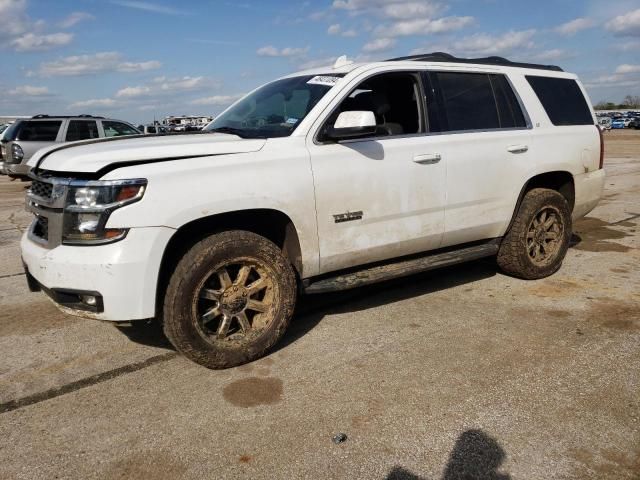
pixel 402 268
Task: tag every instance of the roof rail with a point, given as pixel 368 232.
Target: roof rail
pixel 448 58
pixel 65 116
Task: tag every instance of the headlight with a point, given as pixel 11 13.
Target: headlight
pixel 89 204
pixel 16 153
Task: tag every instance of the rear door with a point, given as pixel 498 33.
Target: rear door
pixel 484 137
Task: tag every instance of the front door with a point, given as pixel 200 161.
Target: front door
pixel 383 196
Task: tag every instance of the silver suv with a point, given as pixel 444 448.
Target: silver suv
pixel 25 137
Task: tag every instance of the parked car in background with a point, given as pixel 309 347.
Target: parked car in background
pixel 151 129
pixel 1 159
pixel 635 124
pixel 25 137
pixel 604 123
pixel 617 123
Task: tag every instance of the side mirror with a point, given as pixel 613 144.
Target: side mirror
pixel 352 125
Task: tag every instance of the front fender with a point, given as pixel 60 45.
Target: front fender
pixel 183 191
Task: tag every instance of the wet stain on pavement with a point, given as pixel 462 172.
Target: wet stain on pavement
pixel 626 224
pixel 595 236
pixel 148 465
pixel 607 463
pixel 619 270
pixel 554 288
pixel 253 391
pixel 41 316
pixel 615 314
pixel 559 313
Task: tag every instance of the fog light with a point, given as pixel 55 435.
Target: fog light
pixel 89 300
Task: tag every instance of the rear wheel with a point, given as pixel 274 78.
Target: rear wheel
pixel 537 242
pixel 230 299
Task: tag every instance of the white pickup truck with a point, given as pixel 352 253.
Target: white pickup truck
pixel 323 180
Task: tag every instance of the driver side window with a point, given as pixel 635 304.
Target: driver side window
pixel 394 99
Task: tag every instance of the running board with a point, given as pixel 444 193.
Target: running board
pixel 402 268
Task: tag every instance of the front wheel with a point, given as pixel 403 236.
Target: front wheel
pixel 538 240
pixel 229 300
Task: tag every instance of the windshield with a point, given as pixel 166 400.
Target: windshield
pixel 275 109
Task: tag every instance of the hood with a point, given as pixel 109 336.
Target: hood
pixel 93 155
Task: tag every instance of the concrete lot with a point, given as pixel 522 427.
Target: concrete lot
pixel 459 373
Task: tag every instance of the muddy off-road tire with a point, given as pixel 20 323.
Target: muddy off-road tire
pixel 537 242
pixel 229 300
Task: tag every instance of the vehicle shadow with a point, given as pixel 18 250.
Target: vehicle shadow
pixel 148 333
pixel 311 309
pixel 475 456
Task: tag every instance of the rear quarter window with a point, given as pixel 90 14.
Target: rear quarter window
pixel 117 129
pixel 562 99
pixel 38 131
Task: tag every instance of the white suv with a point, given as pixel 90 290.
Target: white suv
pixel 323 180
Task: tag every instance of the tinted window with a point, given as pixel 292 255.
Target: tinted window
pixel 116 129
pixel 393 98
pixel 81 130
pixel 151 129
pixel 562 99
pixel 509 111
pixel 466 101
pixel 39 131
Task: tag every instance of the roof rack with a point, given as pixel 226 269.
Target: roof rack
pixel 448 58
pixel 65 116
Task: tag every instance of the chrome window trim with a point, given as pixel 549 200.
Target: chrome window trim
pixel 525 113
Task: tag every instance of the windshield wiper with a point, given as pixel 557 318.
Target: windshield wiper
pixel 233 131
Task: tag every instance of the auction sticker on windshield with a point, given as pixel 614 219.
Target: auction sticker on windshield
pixel 324 80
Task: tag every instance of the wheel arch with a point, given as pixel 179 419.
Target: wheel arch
pixel 272 224
pixel 560 180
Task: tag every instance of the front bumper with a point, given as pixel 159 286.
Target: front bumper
pixel 122 275
pixel 19 169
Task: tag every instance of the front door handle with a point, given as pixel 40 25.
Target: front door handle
pixel 517 148
pixel 427 158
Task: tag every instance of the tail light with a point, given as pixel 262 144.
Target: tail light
pixel 601 147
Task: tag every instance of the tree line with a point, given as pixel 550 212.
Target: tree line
pixel 630 101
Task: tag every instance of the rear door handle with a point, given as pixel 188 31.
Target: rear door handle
pixel 517 148
pixel 427 158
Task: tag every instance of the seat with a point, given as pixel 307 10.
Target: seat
pixel 377 103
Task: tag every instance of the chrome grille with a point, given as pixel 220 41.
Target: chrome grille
pixel 41 189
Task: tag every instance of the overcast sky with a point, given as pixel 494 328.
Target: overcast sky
pixel 140 59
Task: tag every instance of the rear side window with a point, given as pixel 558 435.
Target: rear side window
pixel 562 99
pixel 116 129
pixel 473 101
pixel 81 130
pixel 509 110
pixel 466 101
pixel 39 131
